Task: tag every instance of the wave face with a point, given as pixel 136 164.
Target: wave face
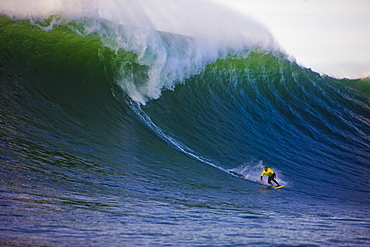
pixel 265 108
pixel 136 132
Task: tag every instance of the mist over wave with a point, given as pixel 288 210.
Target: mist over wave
pixel 174 39
pixel 96 151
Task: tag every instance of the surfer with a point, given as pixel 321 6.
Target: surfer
pixel 271 174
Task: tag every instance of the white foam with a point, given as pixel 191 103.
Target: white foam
pixel 252 171
pixel 173 142
pixel 205 31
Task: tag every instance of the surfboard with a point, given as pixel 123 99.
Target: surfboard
pixel 278 187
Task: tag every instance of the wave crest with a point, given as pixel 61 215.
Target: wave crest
pixel 173 39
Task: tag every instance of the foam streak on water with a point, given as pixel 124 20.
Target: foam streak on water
pixel 84 162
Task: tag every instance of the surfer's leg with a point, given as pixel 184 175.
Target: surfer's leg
pixel 272 178
pixel 269 180
pixel 277 184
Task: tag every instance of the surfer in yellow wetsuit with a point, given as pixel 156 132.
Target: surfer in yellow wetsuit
pixel 271 174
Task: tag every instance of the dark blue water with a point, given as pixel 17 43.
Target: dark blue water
pixel 82 164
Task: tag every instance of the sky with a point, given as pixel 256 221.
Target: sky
pixel 331 37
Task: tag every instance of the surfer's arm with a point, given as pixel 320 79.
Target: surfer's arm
pixel 263 173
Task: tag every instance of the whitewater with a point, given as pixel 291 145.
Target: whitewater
pixel 148 123
pixel 148 29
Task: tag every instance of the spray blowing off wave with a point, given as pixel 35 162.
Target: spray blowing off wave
pixel 173 39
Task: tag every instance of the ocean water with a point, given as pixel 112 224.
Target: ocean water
pixel 124 131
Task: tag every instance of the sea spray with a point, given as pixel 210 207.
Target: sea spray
pixel 173 39
pixel 80 168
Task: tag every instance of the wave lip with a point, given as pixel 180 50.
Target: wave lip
pixel 173 39
pixel 65 137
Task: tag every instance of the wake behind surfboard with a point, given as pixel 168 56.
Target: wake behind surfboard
pixel 237 174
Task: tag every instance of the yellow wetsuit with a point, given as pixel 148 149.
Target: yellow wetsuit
pixel 269 172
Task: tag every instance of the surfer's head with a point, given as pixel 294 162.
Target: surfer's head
pixel 265 168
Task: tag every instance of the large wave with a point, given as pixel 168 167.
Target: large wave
pixel 237 99
pixel 173 39
pixel 114 115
